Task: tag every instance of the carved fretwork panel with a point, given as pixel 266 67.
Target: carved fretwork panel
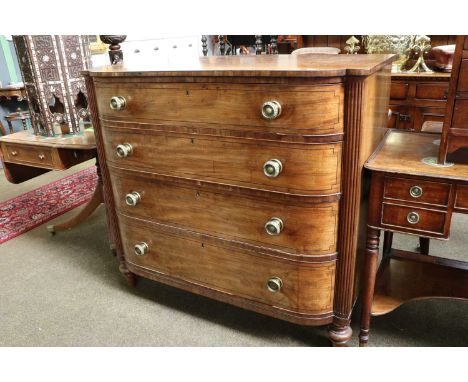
pixel 51 68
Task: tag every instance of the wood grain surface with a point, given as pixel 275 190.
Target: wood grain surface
pixel 306 287
pixel 307 169
pixel 304 65
pixel 309 228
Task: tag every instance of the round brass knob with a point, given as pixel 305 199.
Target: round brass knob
pixel 41 156
pixel 124 150
pixel 272 168
pixel 132 198
pixel 271 110
pixel 274 284
pixel 14 153
pixel 118 103
pixel 141 249
pixel 274 226
pixel 413 218
pixel 415 191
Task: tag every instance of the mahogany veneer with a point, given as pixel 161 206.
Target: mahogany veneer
pixel 188 199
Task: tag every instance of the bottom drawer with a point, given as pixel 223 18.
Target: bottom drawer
pixel 296 286
pixel 415 219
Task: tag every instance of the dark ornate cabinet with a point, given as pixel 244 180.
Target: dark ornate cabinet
pixel 51 68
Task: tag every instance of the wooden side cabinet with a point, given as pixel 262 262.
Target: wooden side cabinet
pixel 417 98
pixel 410 196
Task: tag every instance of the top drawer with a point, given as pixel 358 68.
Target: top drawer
pixel 417 191
pixel 317 109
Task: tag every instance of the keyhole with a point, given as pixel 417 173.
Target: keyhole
pixel 198 194
pixel 192 140
pixel 187 93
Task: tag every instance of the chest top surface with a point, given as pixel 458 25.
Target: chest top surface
pixel 307 65
pixel 403 151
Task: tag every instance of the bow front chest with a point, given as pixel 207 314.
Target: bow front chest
pixel 240 178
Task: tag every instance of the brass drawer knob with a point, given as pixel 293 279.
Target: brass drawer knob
pixel 415 191
pixel 14 153
pixel 271 110
pixel 413 218
pixel 274 284
pixel 118 103
pixel 41 156
pixel 141 249
pixel 272 168
pixel 124 150
pixel 132 198
pixel 274 226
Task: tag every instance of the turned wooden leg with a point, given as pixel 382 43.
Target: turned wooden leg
pixel 369 273
pixel 94 203
pixel 340 333
pixel 129 276
pixel 387 244
pixel 424 245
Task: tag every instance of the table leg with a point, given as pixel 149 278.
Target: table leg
pixel 370 269
pixel 388 242
pixel 2 129
pixel 424 245
pixel 10 126
pixel 94 203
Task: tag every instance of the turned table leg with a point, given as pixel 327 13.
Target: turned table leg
pixel 94 203
pixel 370 269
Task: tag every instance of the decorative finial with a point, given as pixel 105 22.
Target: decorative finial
pixel 351 47
pixel 421 46
pixel 115 53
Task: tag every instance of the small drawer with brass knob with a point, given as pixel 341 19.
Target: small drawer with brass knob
pixel 271 110
pixel 272 168
pixel 403 218
pixel 141 249
pixel 274 226
pixel 124 150
pixel 28 154
pixel 417 191
pixel 132 199
pixel 118 103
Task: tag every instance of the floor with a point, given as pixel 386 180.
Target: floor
pixel 66 290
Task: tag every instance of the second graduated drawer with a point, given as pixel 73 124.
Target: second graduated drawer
pixel 311 169
pixel 295 225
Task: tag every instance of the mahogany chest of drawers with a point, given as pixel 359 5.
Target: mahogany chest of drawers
pixel 239 178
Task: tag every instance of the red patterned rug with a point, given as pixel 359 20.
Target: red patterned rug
pixel 25 212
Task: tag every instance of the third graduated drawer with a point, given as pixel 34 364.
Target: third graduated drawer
pixel 291 225
pixel 309 169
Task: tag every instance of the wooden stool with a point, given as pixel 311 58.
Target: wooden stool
pixel 412 197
